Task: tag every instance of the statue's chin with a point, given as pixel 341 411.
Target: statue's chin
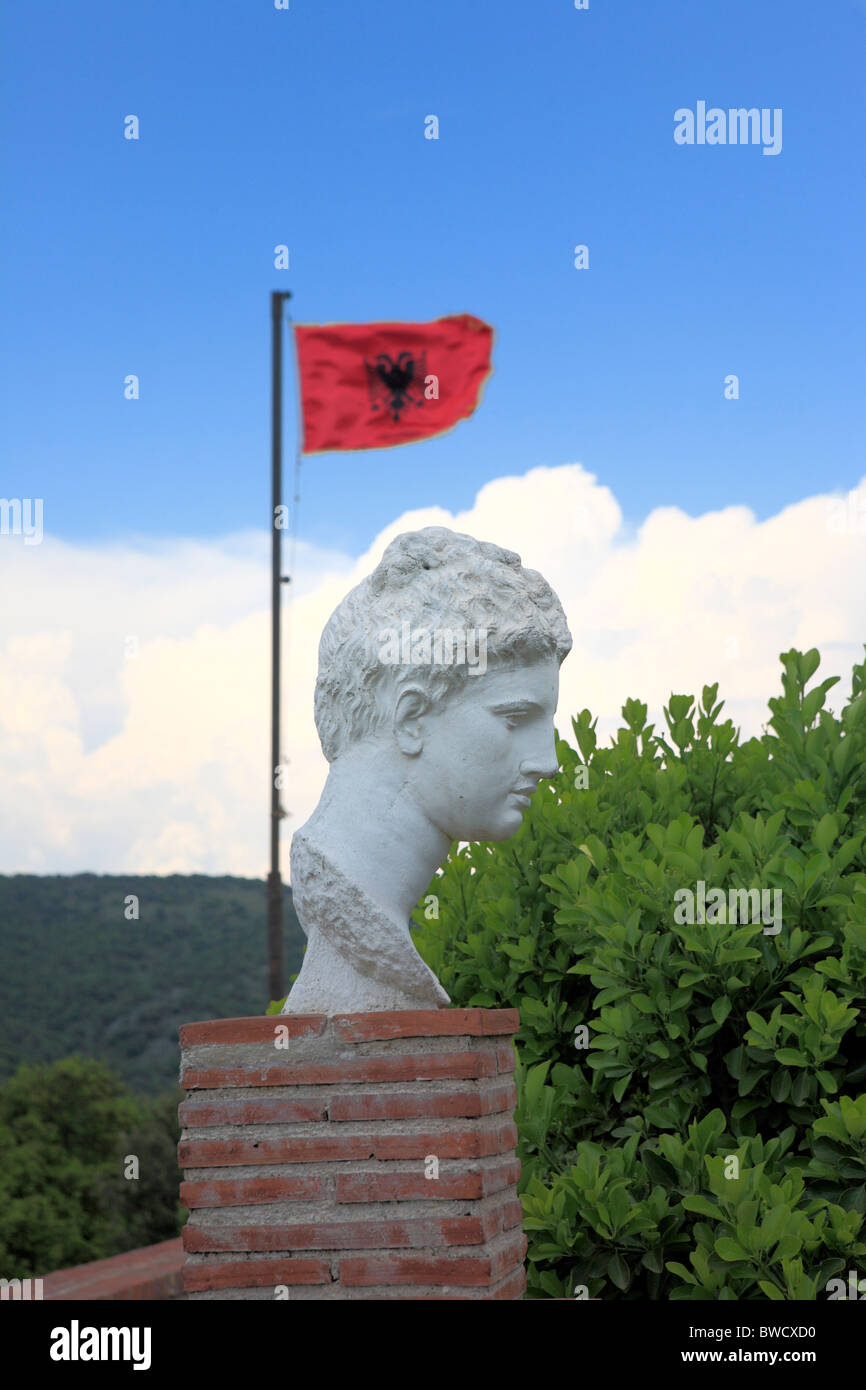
pixel 506 825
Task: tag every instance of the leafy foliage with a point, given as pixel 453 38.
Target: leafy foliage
pixel 705 1041
pixel 66 1134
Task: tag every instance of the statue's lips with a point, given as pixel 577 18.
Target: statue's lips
pixel 523 794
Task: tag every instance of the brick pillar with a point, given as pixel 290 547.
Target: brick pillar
pixel 360 1156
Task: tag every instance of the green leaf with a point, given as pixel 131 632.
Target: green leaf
pixel 721 1008
pixel 728 1249
pixel 658 1169
pixel 621 1086
pixel 788 1246
pixel 771 1290
pixel 643 1003
pixel 780 1086
pixel 618 1271
pixel 791 1057
pixel 702 1205
pixel 825 832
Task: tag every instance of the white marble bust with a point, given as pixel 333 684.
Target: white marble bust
pixel 437 687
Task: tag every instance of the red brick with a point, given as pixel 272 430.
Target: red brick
pixel 251 1112
pixel 500 1021
pixel 252 1030
pixel 471 1142
pixel 406 1187
pixel 217 1153
pixel 356 1235
pixel 462 1230
pixel 463 1270
pixel 396 1187
pixel 506 1057
pixel 426 1023
pixel 241 1192
pixel 422 1066
pixel 254 1274
pixel 120 1288
pixel 512 1286
pixel 496 1176
pixel 509 1214
pixel 153 1272
pixel 421 1103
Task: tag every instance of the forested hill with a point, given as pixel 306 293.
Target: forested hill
pixel 78 975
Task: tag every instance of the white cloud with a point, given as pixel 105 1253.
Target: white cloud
pixel 157 763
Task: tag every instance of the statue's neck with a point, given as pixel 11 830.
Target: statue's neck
pixel 373 830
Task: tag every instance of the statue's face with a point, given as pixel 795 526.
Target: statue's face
pixel 484 749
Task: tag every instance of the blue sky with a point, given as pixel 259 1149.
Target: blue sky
pixel 305 127
pixel 134 659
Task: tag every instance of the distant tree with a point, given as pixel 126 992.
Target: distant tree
pixel 65 1130
pixel 149 1202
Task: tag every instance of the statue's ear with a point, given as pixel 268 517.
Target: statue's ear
pixel 412 704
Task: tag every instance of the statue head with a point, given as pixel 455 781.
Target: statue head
pixel 441 670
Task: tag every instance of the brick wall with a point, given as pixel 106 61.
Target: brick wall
pixel 154 1272
pixel 361 1156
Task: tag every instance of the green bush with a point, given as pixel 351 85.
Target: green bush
pixel 691 1116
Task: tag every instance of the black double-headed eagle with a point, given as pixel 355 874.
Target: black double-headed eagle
pixel 396 384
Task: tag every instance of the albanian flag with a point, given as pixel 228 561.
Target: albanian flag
pixel 372 385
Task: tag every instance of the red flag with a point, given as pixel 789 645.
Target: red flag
pixel 372 385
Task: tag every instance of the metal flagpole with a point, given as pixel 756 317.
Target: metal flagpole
pixel 296 484
pixel 276 973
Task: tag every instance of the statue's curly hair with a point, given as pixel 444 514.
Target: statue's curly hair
pixel 435 579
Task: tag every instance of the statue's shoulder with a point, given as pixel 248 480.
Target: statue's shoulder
pixel 310 861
